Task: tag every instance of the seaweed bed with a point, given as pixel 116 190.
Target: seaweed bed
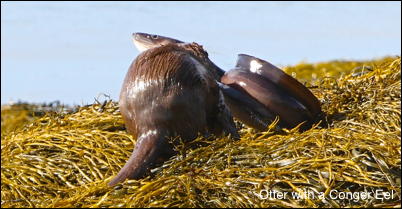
pixel 56 156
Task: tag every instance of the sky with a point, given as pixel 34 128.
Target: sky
pixel 74 52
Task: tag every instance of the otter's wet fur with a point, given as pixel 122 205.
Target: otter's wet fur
pixel 169 93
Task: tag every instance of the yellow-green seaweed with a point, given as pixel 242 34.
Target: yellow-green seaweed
pixel 66 158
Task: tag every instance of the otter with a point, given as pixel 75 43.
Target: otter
pixel 145 41
pixel 255 90
pixel 242 106
pixel 168 93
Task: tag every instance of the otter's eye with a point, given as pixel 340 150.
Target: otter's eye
pixel 154 36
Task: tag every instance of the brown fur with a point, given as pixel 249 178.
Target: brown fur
pixel 164 95
pixel 168 62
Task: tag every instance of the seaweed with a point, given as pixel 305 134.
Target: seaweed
pixel 61 157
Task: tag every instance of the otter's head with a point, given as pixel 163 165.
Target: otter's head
pixel 145 41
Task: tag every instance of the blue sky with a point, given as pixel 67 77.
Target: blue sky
pixel 74 51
